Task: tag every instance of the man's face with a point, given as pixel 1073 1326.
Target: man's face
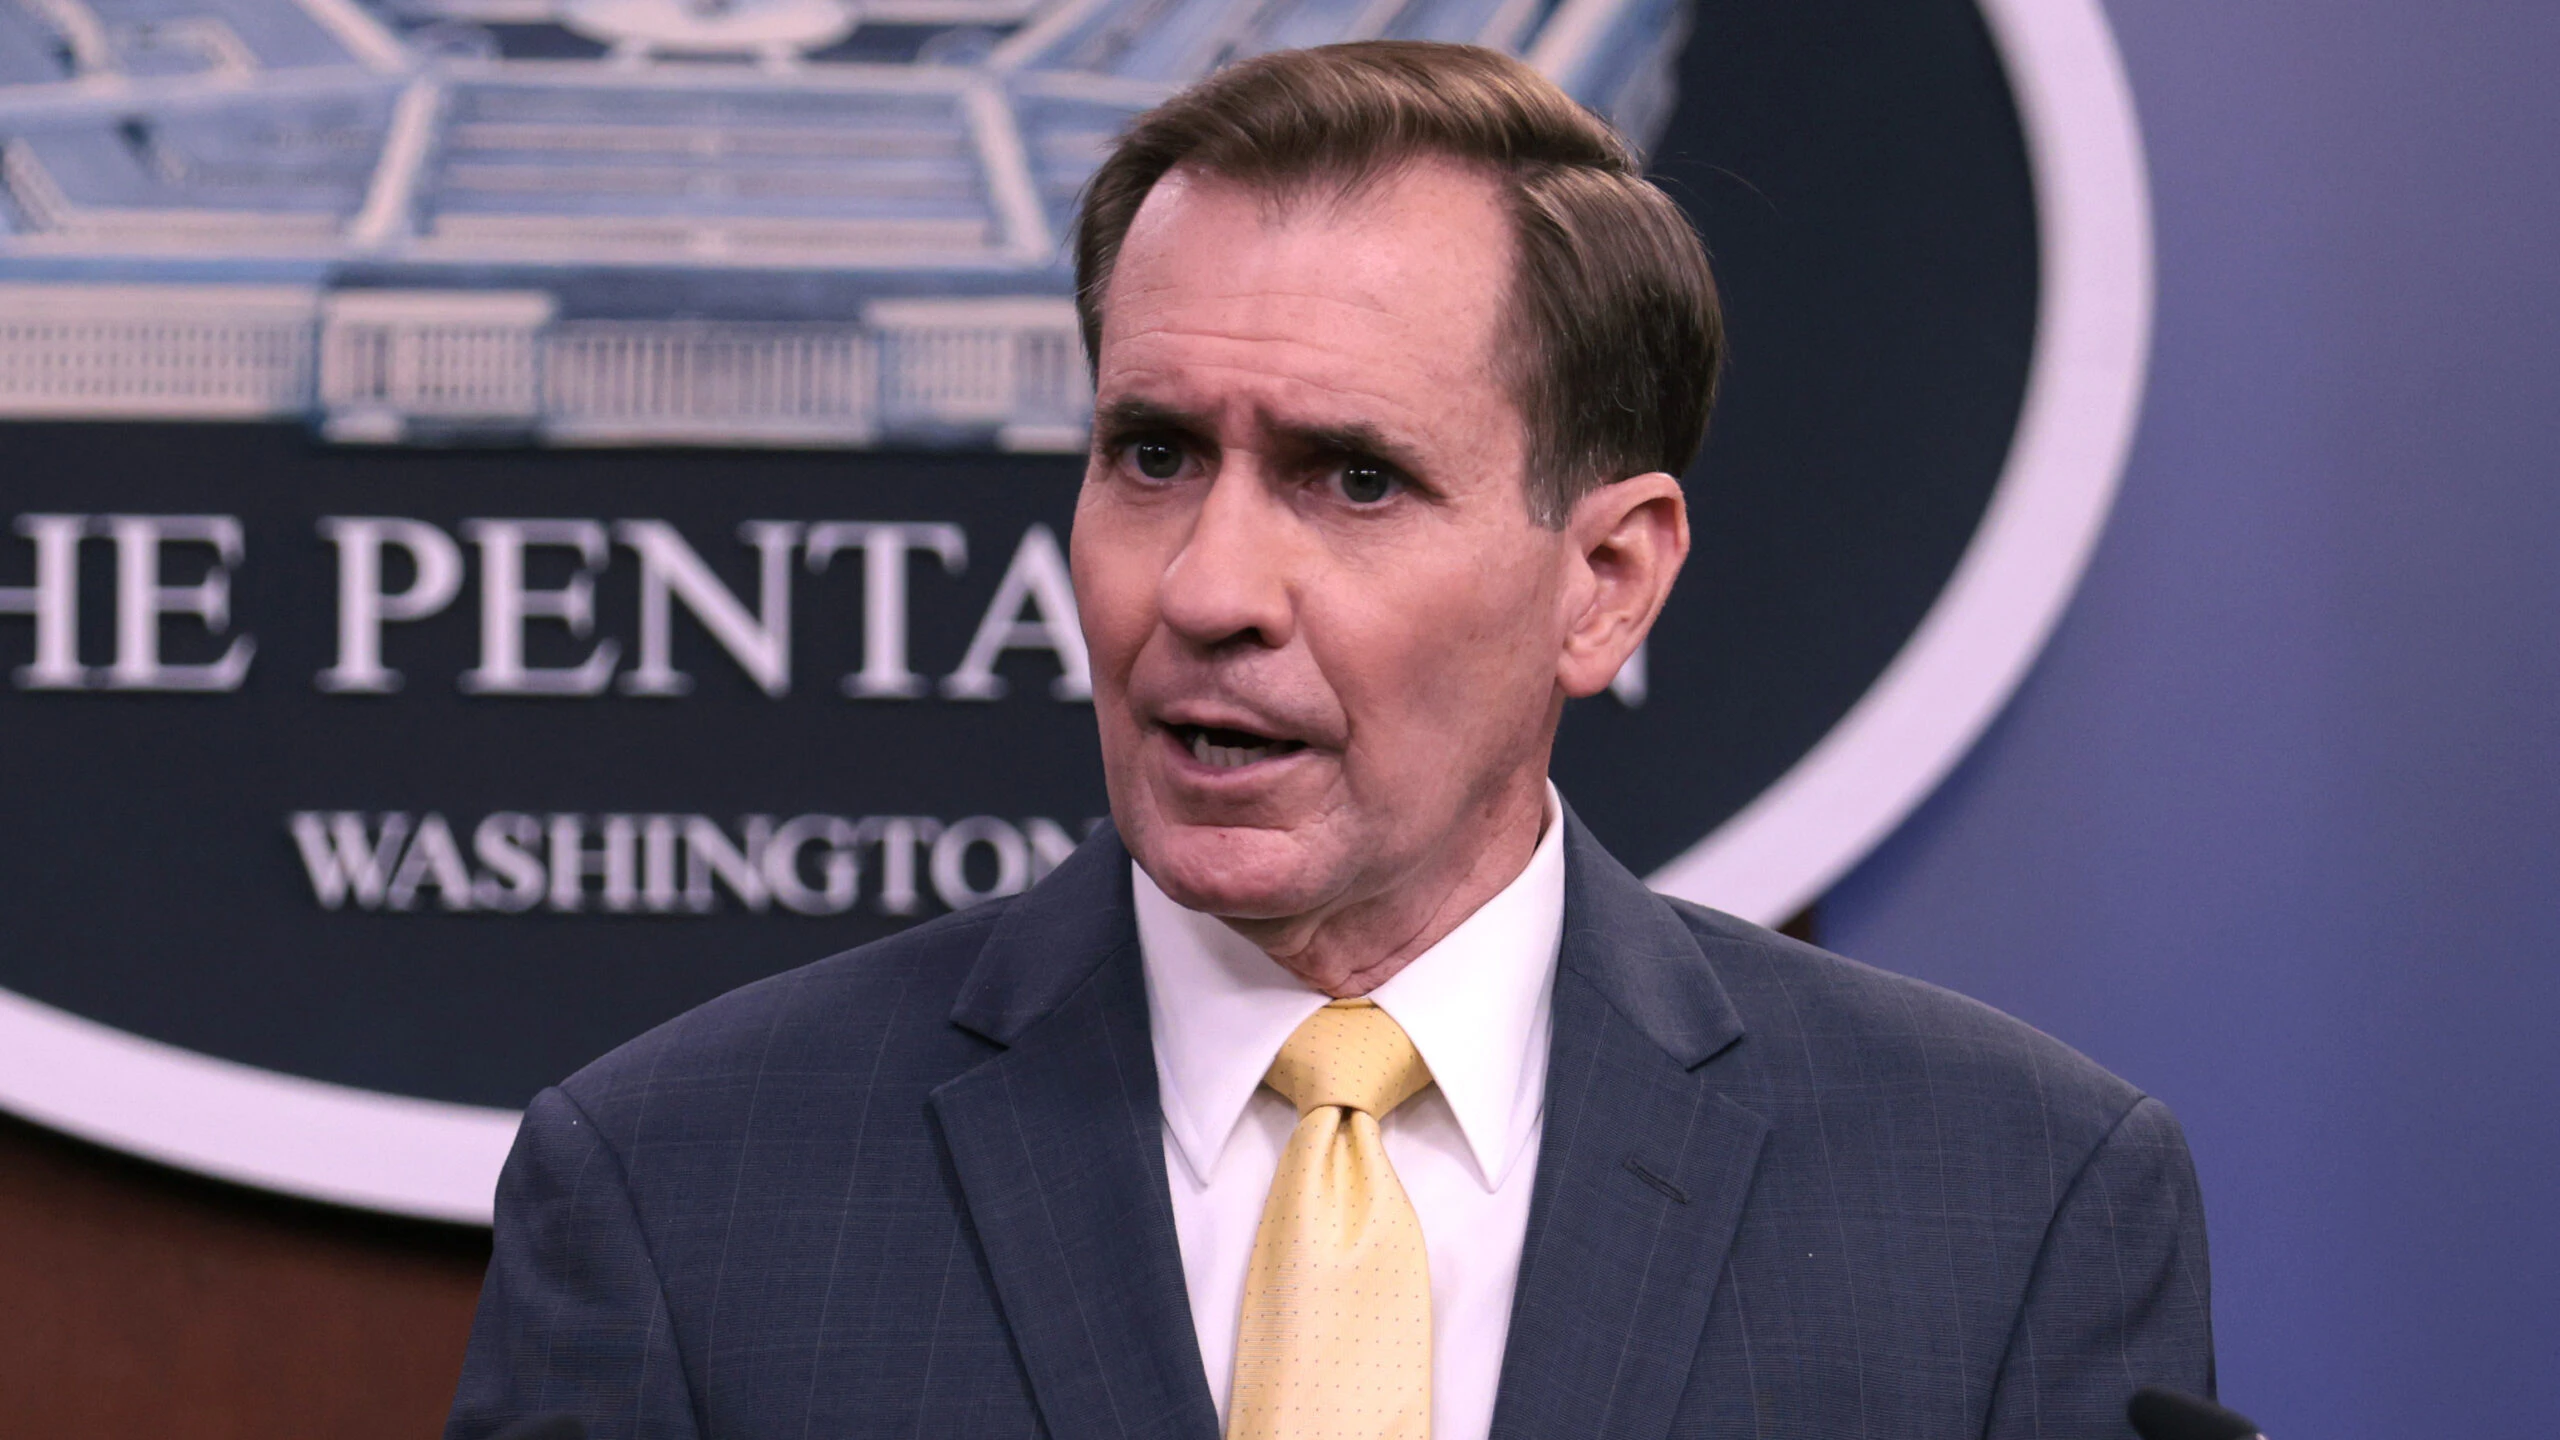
pixel 1324 626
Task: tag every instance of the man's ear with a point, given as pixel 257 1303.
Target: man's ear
pixel 1627 542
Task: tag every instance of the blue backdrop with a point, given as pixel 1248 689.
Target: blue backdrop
pixel 2273 828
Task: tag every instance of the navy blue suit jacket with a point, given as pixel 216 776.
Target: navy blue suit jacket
pixel 918 1190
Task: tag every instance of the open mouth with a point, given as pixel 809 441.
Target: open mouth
pixel 1223 749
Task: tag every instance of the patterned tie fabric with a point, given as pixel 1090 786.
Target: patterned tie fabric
pixel 1335 1342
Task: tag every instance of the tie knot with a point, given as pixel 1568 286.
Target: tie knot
pixel 1351 1054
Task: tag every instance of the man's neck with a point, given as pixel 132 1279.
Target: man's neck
pixel 1352 950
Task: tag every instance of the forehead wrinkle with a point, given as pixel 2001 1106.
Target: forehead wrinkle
pixel 1239 289
pixel 1258 371
pixel 1249 318
pixel 1246 302
pixel 1327 195
pixel 1298 361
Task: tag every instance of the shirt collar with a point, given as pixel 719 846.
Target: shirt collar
pixel 1476 1006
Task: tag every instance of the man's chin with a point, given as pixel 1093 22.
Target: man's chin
pixel 1235 872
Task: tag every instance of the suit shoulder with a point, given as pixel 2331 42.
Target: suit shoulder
pixel 890 999
pixel 1827 1022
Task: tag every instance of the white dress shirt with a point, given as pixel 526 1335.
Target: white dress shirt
pixel 1466 1150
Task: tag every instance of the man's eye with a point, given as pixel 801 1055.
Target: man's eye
pixel 1157 459
pixel 1366 482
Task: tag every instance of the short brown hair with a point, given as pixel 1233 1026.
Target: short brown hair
pixel 1612 307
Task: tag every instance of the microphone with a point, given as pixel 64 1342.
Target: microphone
pixel 544 1427
pixel 2159 1414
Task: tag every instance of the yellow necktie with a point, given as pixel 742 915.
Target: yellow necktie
pixel 1335 1343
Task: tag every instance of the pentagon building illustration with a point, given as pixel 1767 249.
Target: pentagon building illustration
pixel 580 222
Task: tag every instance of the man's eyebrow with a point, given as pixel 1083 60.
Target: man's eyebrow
pixel 1350 437
pixel 1130 415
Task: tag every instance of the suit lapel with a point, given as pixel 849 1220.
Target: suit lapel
pixel 1644 1164
pixel 1057 1145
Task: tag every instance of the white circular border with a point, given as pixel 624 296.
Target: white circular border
pixel 2093 331
pixel 2084 390
pixel 427 1158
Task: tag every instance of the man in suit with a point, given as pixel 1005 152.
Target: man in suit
pixel 1343 1085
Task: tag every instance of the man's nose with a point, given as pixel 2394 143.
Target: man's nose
pixel 1229 584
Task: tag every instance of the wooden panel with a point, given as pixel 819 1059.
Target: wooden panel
pixel 137 1303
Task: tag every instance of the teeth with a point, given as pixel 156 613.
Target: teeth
pixel 1225 757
